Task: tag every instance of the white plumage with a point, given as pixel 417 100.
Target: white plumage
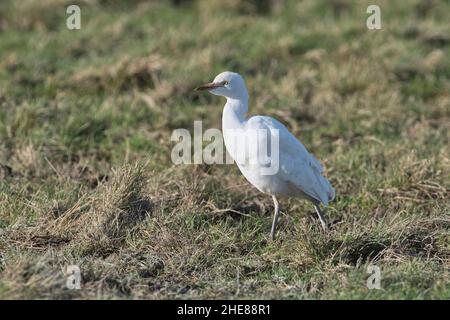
pixel 298 174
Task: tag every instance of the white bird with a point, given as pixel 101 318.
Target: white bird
pixel 298 174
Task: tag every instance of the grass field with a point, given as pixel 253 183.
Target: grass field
pixel 86 176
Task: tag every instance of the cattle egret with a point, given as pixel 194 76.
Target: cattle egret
pixel 298 174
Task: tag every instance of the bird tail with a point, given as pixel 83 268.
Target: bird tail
pixel 328 193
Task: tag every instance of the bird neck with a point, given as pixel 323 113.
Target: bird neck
pixel 234 113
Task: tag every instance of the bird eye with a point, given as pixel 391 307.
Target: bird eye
pixel 225 82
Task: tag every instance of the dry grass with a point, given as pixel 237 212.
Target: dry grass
pixel 85 171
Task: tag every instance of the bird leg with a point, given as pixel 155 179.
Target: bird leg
pixel 321 218
pixel 275 218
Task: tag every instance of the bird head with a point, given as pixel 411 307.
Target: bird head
pixel 227 84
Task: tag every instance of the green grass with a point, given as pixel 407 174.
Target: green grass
pixel 86 177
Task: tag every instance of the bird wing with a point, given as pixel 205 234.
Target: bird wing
pixel 296 165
